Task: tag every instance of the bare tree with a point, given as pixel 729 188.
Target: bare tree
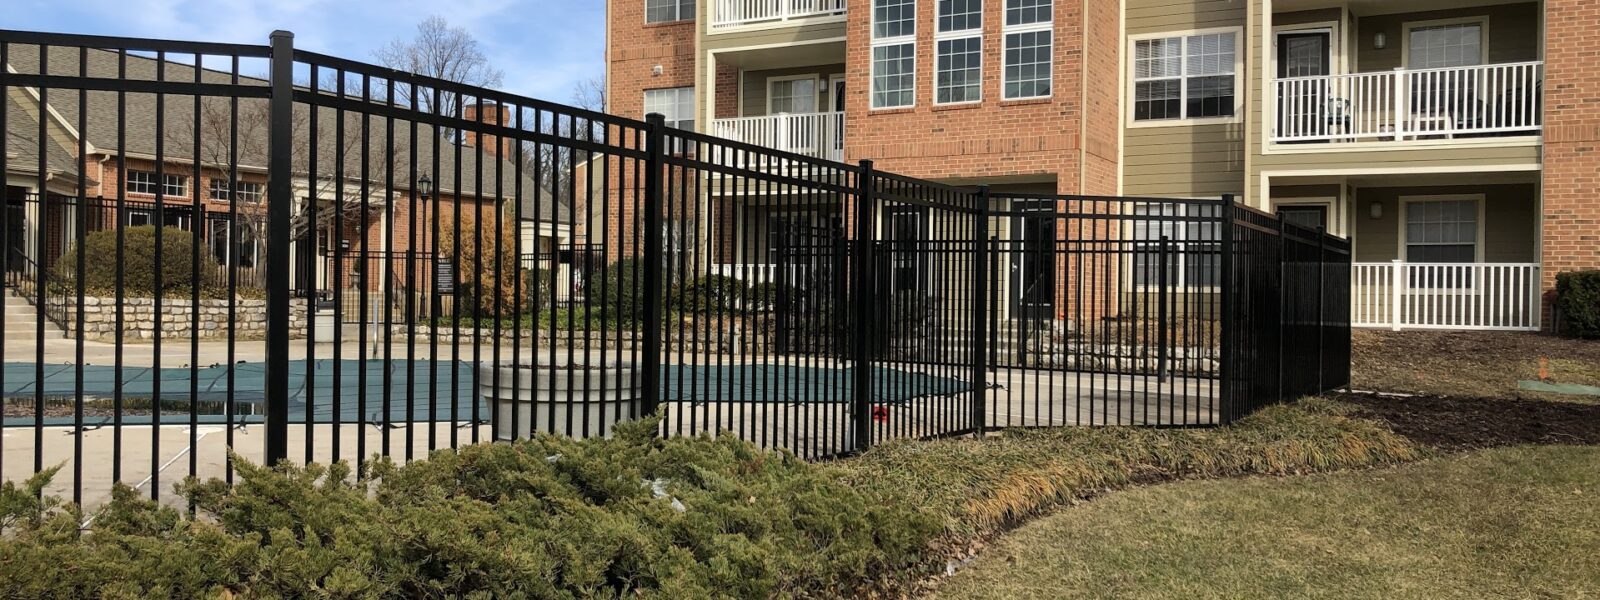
pixel 590 94
pixel 442 51
pixel 221 124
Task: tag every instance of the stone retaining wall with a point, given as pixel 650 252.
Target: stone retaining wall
pixel 177 318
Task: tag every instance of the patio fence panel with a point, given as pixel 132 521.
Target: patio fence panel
pixel 343 261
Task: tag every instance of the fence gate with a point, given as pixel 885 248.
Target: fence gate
pixel 254 249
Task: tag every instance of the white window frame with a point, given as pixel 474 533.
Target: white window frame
pixel 674 119
pixel 1179 243
pixel 169 181
pixel 1482 21
pixel 816 90
pixel 1183 88
pixel 1007 30
pixel 877 42
pixel 1472 287
pixel 677 9
pixel 220 191
pixel 953 35
pixel 1405 211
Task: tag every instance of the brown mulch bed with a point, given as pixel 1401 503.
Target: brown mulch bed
pixel 1460 424
pixel 1477 364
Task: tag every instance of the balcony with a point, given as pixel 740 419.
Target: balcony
pixel 730 14
pixel 1410 104
pixel 818 135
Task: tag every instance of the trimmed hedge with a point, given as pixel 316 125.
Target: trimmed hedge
pixel 635 516
pixel 1578 296
pixel 632 516
pixel 138 263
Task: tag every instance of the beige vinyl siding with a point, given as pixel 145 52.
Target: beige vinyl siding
pixel 753 87
pixel 1436 157
pixel 1512 34
pixel 1182 160
pixel 1156 16
pixel 1201 161
pixel 774 36
pixel 1320 15
pixel 1510 227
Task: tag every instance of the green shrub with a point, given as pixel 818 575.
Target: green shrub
pixel 619 290
pixel 712 294
pixel 631 516
pixel 764 295
pixel 538 287
pixel 1578 296
pixel 138 263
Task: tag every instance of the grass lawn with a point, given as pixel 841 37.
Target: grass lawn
pixel 1503 523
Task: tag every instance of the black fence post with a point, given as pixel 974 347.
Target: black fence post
pixel 1162 314
pixel 1322 317
pixel 279 196
pixel 654 257
pixel 1283 299
pixel 861 311
pixel 980 311
pixel 1225 306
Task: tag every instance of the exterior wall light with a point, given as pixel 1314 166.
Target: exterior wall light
pixel 1375 209
pixel 1380 40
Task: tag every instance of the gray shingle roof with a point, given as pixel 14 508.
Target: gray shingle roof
pixel 22 150
pixel 216 122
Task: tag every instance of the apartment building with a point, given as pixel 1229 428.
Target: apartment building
pixel 205 164
pixel 1453 141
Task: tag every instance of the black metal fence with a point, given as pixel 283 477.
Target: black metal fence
pixel 432 264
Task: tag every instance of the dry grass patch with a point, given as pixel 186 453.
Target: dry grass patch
pixel 1505 523
pixel 981 486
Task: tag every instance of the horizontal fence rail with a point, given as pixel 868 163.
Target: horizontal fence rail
pixel 727 14
pixel 1475 101
pixel 1485 296
pixel 343 261
pixel 817 135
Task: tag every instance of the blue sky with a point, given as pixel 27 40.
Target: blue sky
pixel 544 46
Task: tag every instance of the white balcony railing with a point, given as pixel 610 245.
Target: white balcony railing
pixel 1401 295
pixel 790 275
pixel 737 13
pixel 819 135
pixel 1501 99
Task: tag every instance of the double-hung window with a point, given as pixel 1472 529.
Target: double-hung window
pixel 1029 41
pixel 1191 249
pixel 894 53
pixel 676 104
pixel 1442 231
pixel 1441 46
pixel 667 11
pixel 958 37
pixel 145 182
pixel 1185 77
pixel 247 191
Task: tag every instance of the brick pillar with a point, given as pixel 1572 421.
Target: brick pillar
pixel 1571 191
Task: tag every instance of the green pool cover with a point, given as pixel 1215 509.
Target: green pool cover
pixel 315 390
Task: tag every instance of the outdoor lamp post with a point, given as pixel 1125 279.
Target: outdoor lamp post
pixel 425 191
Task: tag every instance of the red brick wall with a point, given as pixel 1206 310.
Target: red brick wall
pixel 994 138
pixel 1571 138
pixel 727 92
pixel 635 50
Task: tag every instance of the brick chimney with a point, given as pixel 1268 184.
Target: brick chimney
pixel 491 114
